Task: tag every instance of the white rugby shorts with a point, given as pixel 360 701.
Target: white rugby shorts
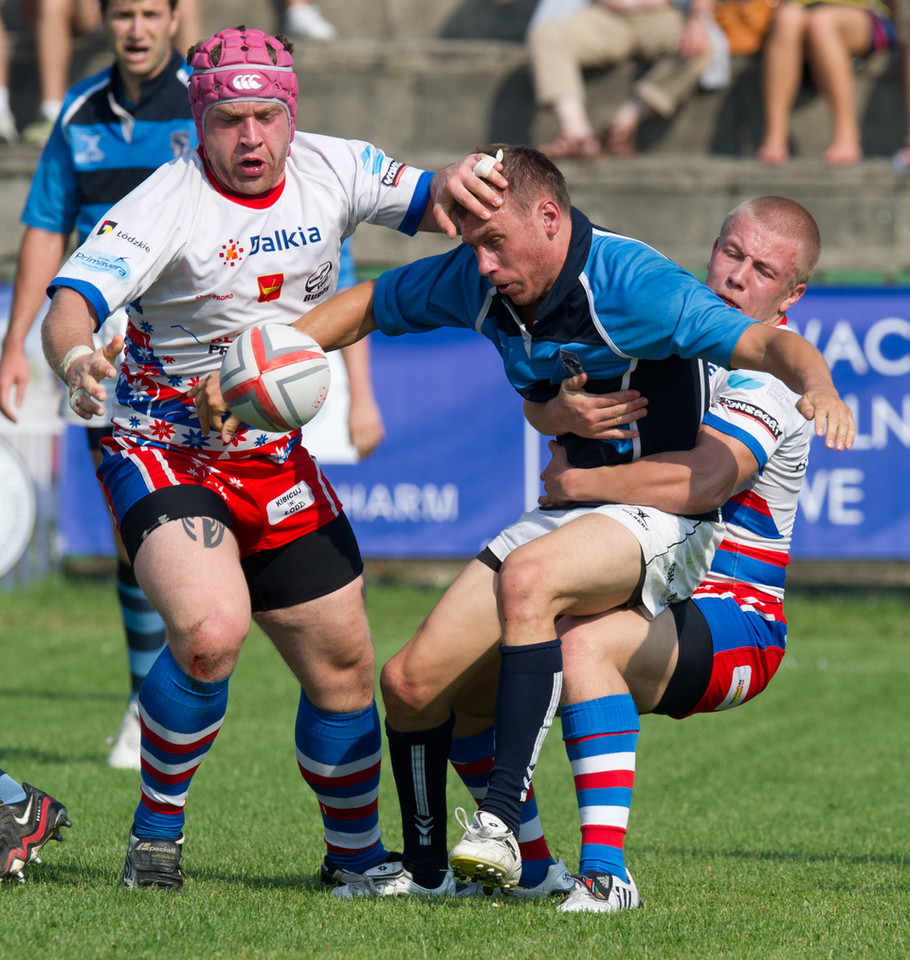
pixel 677 551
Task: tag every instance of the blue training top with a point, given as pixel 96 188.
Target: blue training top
pixel 619 311
pixel 102 147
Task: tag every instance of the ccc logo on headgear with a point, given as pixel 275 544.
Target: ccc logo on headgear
pixel 247 81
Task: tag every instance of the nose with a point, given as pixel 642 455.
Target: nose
pixel 739 273
pixel 249 131
pixel 485 262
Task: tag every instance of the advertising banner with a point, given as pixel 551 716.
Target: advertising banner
pixel 459 462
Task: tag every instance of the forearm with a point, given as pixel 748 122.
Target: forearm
pixel 40 254
pixel 70 322
pixel 356 358
pixel 787 357
pixel 344 319
pixel 670 482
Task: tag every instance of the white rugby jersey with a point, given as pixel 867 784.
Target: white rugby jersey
pixel 750 563
pixel 196 267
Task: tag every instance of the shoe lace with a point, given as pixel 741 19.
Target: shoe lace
pixel 461 817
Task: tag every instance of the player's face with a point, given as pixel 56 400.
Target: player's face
pixel 514 252
pixel 752 269
pixel 141 33
pixel 246 143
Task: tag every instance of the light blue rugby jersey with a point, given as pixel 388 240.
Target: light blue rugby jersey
pixel 101 147
pixel 619 310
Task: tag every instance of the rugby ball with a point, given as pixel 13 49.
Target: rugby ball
pixel 274 378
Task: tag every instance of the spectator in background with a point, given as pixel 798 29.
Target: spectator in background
pixel 56 24
pixel 305 20
pixel 828 37
pixel 605 32
pixel 901 160
pixel 116 127
pixel 8 132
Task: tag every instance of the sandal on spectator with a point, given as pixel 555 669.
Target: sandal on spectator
pixel 565 147
pixel 619 141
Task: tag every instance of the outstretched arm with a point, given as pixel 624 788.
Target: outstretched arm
pixel 345 318
pixel 803 369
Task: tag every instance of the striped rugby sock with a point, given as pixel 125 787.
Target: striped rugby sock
pixel 472 759
pixel 339 755
pixel 142 624
pixel 180 719
pixel 601 736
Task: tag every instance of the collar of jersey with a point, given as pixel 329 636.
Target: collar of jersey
pixel 257 203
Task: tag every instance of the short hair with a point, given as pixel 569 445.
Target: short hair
pixel 531 175
pixel 786 218
pixel 106 3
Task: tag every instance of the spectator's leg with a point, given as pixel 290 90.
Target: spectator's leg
pixel 782 71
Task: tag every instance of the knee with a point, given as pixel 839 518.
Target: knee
pixel 523 586
pixel 207 647
pixel 404 696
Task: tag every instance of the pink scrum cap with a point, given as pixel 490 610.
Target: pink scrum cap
pixel 237 64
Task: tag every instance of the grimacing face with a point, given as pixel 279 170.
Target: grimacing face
pixel 514 251
pixel 246 143
pixel 753 269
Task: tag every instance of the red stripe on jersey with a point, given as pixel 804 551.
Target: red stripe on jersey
pixel 776 558
pixel 751 500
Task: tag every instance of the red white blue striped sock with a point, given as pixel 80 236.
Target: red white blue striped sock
pixel 601 736
pixel 472 759
pixel 339 757
pixel 180 719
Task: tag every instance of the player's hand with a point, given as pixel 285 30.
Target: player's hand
pixel 458 184
pixel 560 479
pixel 833 418
pixel 597 416
pixel 211 409
pixel 365 426
pixel 84 376
pixel 14 374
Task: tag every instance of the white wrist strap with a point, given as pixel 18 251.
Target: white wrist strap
pixel 80 350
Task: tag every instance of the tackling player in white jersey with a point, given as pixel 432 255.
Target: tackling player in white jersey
pixel 720 648
pixel 245 230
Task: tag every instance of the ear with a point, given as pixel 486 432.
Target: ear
pixel 551 217
pixel 794 294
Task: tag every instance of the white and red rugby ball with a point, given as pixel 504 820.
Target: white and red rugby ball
pixel 274 378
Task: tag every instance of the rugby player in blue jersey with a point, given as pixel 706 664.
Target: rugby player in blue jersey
pixel 555 295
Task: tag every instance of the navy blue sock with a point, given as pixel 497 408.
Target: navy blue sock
pixel 420 766
pixel 527 697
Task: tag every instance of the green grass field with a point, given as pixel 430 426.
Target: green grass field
pixel 778 830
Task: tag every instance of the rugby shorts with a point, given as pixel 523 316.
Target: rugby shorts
pixel 676 551
pixel 727 655
pixel 295 542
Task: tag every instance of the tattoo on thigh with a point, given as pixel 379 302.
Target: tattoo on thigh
pixel 212 532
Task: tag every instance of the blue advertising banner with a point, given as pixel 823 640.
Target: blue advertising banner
pixel 855 505
pixel 459 463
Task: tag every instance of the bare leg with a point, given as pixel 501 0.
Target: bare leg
pixel 782 70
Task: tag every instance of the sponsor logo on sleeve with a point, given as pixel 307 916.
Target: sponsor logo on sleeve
pixel 752 412
pixel 107 226
pixel 102 263
pixel 392 176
